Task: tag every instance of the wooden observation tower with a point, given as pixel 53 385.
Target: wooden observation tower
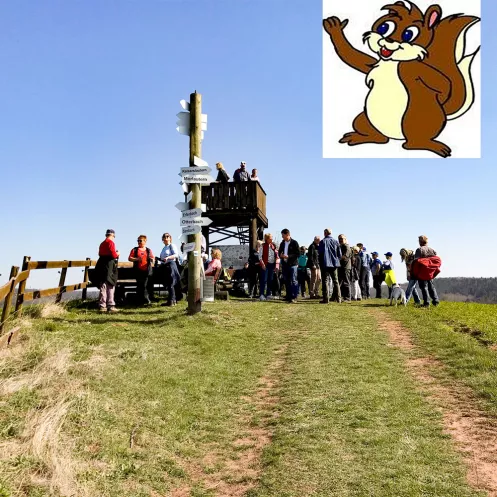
pixel 237 210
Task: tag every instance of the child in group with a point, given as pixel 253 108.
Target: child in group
pixel 388 270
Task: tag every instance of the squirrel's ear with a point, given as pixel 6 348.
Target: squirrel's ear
pixel 432 16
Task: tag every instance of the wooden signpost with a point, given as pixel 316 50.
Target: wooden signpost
pixel 191 122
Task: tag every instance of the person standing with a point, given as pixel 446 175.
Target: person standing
pixel 254 176
pixel 142 259
pixel 388 271
pixel 329 262
pixel 269 262
pixel 302 276
pixel 407 256
pixel 345 269
pixel 289 254
pixel 376 271
pixel 356 271
pixel 106 270
pixel 364 275
pixel 222 175
pixel 241 173
pixel 254 261
pixel 432 269
pixel 313 265
pixel 169 256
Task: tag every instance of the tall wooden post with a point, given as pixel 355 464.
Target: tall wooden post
pixel 22 286
pixel 8 299
pixel 253 233
pixel 194 257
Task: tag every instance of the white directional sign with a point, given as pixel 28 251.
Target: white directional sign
pixel 188 247
pixel 184 104
pixel 184 186
pixel 184 171
pixel 183 123
pixel 191 213
pixel 183 206
pixel 199 221
pixel 189 197
pixel 191 230
pixel 201 178
pixel 197 161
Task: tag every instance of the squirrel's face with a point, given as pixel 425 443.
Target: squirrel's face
pixel 404 33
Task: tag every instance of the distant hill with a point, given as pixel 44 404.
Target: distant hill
pixel 481 290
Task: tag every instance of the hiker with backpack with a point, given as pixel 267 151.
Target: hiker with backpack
pixel 377 272
pixel 425 268
pixel 106 271
pixel 143 263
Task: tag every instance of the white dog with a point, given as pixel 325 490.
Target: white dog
pixel 398 294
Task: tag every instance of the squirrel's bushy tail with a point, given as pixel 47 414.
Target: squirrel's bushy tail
pixel 447 54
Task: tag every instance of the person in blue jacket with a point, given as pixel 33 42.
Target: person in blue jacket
pixel 329 262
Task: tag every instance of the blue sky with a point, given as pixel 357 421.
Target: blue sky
pixel 89 96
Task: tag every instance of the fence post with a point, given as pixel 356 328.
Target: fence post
pixel 85 279
pixel 8 299
pixel 22 286
pixel 62 282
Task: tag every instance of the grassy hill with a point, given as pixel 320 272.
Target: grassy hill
pixel 247 398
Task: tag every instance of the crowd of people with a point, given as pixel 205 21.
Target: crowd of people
pixel 342 272
pixel 239 176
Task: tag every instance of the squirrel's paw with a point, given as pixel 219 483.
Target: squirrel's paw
pixel 434 146
pixel 333 24
pixel 354 138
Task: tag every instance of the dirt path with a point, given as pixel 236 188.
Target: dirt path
pixel 238 475
pixel 474 431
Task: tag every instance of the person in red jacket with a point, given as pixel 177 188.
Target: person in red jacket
pixel 425 267
pixel 106 270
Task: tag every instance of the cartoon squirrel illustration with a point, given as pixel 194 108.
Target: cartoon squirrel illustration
pixel 421 80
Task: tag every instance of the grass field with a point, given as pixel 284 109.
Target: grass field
pixel 247 398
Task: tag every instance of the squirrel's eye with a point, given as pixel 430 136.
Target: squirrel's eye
pixel 410 33
pixel 386 29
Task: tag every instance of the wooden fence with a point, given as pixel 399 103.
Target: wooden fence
pixel 18 279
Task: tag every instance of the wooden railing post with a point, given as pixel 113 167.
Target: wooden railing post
pixel 8 299
pixel 62 282
pixel 22 286
pixel 85 280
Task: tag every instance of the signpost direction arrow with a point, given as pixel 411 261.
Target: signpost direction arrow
pixel 189 197
pixel 195 171
pixel 185 104
pixel 201 178
pixel 184 206
pixel 191 213
pixel 188 247
pixel 183 123
pixel 199 221
pixel 190 230
pixel 197 161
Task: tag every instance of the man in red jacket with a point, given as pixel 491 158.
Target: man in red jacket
pixel 425 267
pixel 106 269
